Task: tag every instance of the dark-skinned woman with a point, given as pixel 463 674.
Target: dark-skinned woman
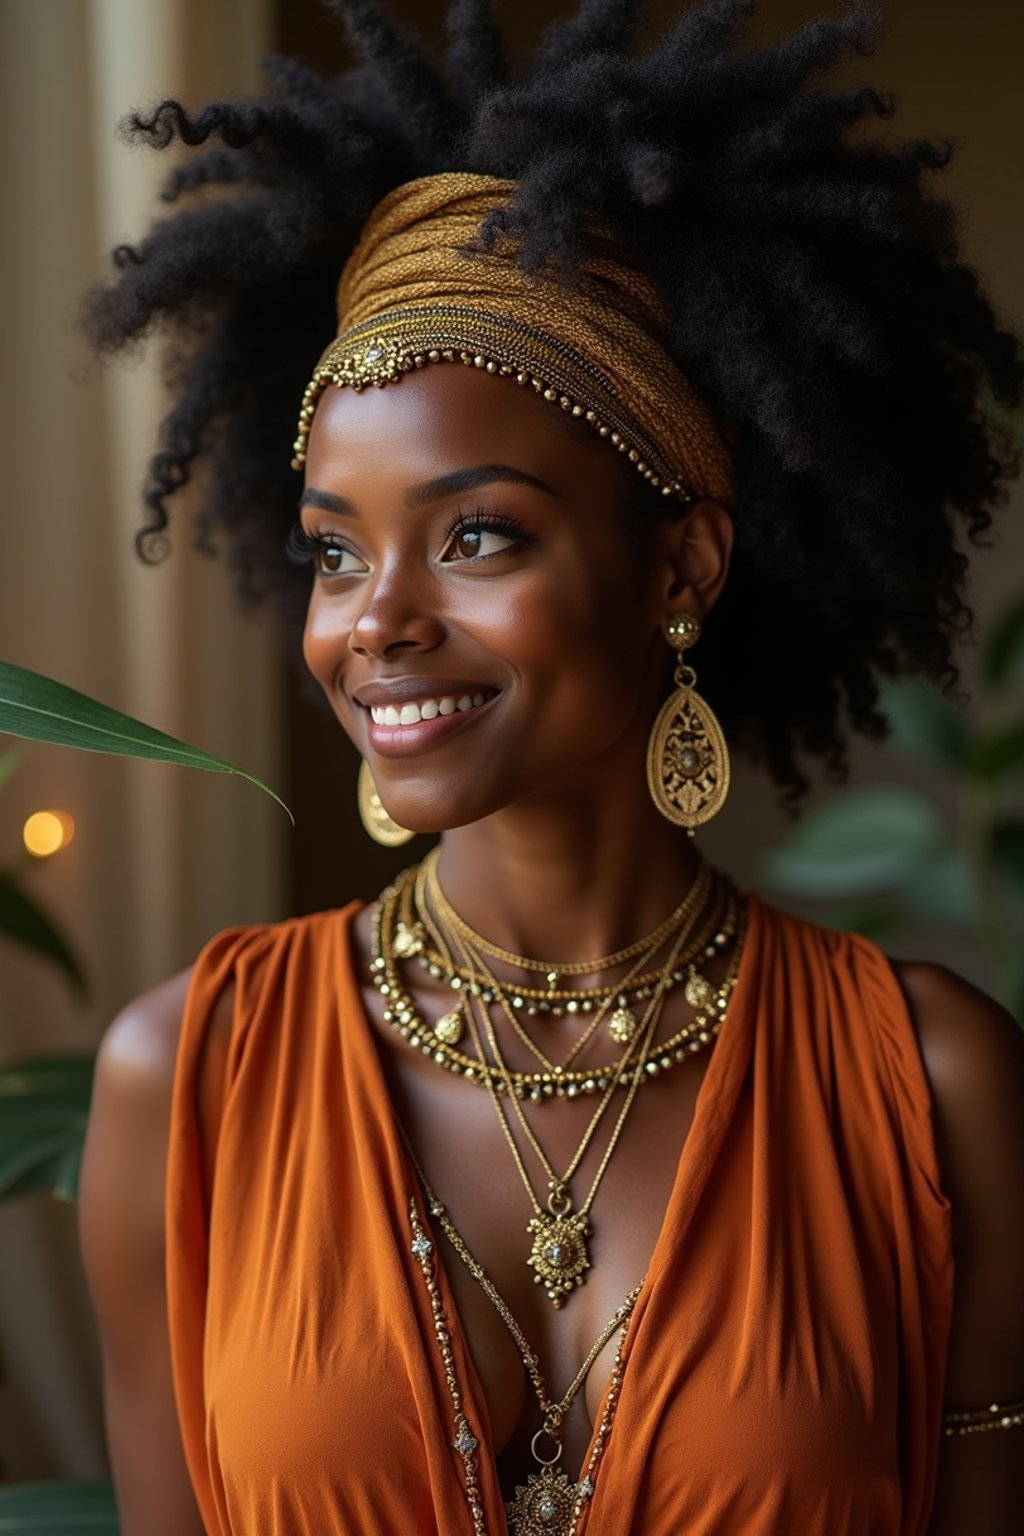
pixel 563 1187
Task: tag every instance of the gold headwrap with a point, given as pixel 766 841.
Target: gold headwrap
pixel 408 296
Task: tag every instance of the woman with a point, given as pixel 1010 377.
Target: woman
pixel 562 1188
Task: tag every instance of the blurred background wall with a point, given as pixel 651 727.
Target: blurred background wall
pixel 164 857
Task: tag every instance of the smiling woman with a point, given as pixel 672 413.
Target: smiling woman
pixel 562 1188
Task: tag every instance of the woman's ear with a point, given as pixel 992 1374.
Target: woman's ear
pixel 697 548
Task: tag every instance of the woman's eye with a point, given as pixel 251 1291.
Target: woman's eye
pixel 476 541
pixel 336 560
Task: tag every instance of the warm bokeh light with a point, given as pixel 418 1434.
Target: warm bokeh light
pixel 46 832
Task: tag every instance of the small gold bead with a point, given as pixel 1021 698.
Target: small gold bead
pixel 615 438
pixel 434 355
pixel 550 394
pixel 492 367
pixel 479 362
pixel 577 410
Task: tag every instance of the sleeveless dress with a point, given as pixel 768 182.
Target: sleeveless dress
pixel 783 1367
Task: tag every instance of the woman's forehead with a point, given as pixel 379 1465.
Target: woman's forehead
pixel 448 416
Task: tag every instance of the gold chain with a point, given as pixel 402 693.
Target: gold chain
pixel 491 985
pixel 559 1255
pixel 412 947
pixel 678 918
pixel 553 1413
pixel 400 1014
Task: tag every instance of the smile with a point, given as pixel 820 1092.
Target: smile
pixel 425 709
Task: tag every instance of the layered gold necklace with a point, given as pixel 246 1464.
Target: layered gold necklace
pixel 401 933
pixel 559 1228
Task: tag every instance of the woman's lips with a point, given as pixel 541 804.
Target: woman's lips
pixel 401 740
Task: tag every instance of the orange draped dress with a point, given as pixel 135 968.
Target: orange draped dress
pixel 783 1367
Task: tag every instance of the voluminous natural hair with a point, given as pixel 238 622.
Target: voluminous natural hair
pixel 813 280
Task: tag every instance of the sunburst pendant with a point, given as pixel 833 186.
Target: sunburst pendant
pixel 559 1257
pixel 543 1506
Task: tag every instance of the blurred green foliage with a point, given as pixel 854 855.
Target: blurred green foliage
pixel 884 859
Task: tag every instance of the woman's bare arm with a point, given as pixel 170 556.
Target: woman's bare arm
pixel 973 1054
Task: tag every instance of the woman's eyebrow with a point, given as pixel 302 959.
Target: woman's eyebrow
pixel 468 479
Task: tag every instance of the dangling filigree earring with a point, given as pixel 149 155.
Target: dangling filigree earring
pixel 381 827
pixel 687 758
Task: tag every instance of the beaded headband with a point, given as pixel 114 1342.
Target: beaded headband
pixel 411 294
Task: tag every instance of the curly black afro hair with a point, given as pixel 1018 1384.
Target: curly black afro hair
pixel 816 295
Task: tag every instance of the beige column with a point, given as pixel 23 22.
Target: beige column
pixel 163 857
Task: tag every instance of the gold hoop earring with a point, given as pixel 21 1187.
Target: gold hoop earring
pixel 381 827
pixel 688 768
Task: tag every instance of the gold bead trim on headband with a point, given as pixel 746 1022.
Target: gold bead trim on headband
pixel 382 350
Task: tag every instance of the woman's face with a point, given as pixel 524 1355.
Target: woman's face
pixel 484 625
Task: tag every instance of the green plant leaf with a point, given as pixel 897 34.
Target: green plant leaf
pixel 1003 655
pixel 44 1110
pixel 925 724
pixel 879 920
pixel 42 709
pixel 855 844
pixel 997 753
pixel 10 762
pixel 1008 852
pixel 63 1507
pixel 23 919
pixel 941 889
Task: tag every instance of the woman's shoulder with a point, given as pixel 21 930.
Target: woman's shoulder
pixel 139 1054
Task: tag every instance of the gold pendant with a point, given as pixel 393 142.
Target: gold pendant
pixel 622 1026
pixel 448 1028
pixel 407 942
pixel 698 991
pixel 544 1506
pixel 559 1257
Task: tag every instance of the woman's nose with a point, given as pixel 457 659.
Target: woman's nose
pixel 394 618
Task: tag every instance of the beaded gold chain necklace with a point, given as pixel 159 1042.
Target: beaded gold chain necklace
pixel 549 1503
pixel 401 1015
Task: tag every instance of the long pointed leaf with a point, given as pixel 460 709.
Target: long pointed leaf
pixel 23 919
pixel 42 709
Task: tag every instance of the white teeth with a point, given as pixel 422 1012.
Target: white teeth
pixel 412 714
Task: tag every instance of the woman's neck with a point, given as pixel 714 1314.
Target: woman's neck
pixel 571 885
